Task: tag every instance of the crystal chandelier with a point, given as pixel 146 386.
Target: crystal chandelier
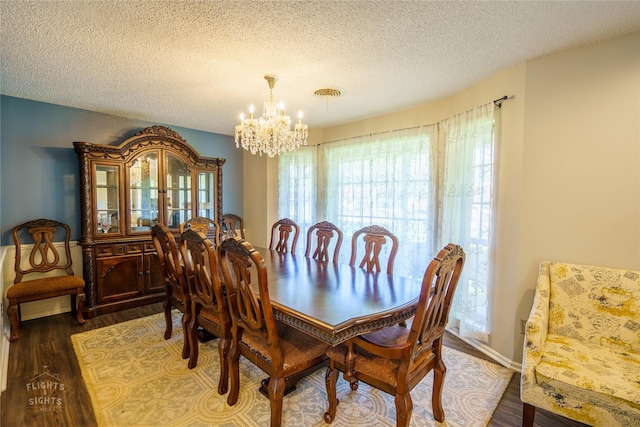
pixel 271 133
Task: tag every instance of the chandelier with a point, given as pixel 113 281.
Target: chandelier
pixel 271 133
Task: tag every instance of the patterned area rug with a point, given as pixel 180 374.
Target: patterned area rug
pixel 136 378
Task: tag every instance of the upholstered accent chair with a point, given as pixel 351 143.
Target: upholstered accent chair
pixel 324 231
pixel 209 308
pixel 205 226
pixel 280 233
pixel 175 281
pixel 374 238
pixel 397 358
pixel 45 257
pixel 282 352
pixel 581 356
pixel 232 226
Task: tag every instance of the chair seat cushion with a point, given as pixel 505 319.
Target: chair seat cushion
pixel 372 365
pixel 44 286
pixel 591 367
pixel 297 347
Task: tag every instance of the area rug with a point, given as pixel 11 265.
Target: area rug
pixel 136 378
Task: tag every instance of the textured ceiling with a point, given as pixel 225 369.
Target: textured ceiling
pixel 198 64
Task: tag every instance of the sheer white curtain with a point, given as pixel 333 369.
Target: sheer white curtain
pixel 297 187
pixel 384 179
pixel 466 195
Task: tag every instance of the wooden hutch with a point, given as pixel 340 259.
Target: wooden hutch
pixel 152 177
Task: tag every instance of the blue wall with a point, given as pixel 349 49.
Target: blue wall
pixel 39 169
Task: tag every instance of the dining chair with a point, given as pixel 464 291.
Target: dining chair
pixel 374 238
pixel 324 231
pixel 283 229
pixel 44 257
pixel 284 353
pixel 176 289
pixel 205 226
pixel 231 225
pixel 209 308
pixel 394 360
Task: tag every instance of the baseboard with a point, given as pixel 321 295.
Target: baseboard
pixel 5 333
pixel 499 358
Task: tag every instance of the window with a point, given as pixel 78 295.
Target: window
pixel 429 185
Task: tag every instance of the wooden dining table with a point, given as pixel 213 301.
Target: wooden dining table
pixel 335 302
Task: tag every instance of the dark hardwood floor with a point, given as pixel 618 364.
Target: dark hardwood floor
pixel 44 386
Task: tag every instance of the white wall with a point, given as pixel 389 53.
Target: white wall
pixel 569 170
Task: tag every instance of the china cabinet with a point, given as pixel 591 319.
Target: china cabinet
pixel 152 177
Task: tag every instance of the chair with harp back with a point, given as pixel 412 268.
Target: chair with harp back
pixel 374 237
pixel 45 258
pixel 205 226
pixel 281 351
pixel 280 233
pixel 325 231
pixel 397 358
pixel 231 225
pixel 175 281
pixel 209 308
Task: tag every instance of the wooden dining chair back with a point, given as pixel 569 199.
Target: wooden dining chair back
pixel 205 226
pixel 176 290
pixel 374 238
pixel 397 358
pixel 232 226
pixel 324 232
pixel 209 308
pixel 48 268
pixel 281 351
pixel 280 234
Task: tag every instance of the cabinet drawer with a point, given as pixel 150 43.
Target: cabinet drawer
pixel 104 250
pixel 134 248
pixel 120 249
pixel 149 247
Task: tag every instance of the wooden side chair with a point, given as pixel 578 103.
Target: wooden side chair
pixel 208 303
pixel 45 257
pixel 284 353
pixel 175 282
pixel 397 358
pixel 232 224
pixel 324 231
pixel 374 237
pixel 283 229
pixel 205 226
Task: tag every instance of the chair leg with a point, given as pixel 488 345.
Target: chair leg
pixel 528 414
pixel 439 372
pixel 191 337
pixel 14 318
pixel 330 380
pixel 167 317
pixel 186 344
pixel 81 300
pixel 276 395
pixel 223 351
pixel 404 408
pixel 234 372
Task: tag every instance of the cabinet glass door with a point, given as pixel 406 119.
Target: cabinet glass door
pixel 207 194
pixel 178 192
pixel 143 192
pixel 107 199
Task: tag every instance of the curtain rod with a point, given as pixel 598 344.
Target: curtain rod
pixel 497 102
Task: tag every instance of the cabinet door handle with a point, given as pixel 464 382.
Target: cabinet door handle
pixel 147 272
pixel 140 273
pixel 108 270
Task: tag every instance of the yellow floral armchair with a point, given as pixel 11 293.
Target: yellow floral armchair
pixel 581 355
